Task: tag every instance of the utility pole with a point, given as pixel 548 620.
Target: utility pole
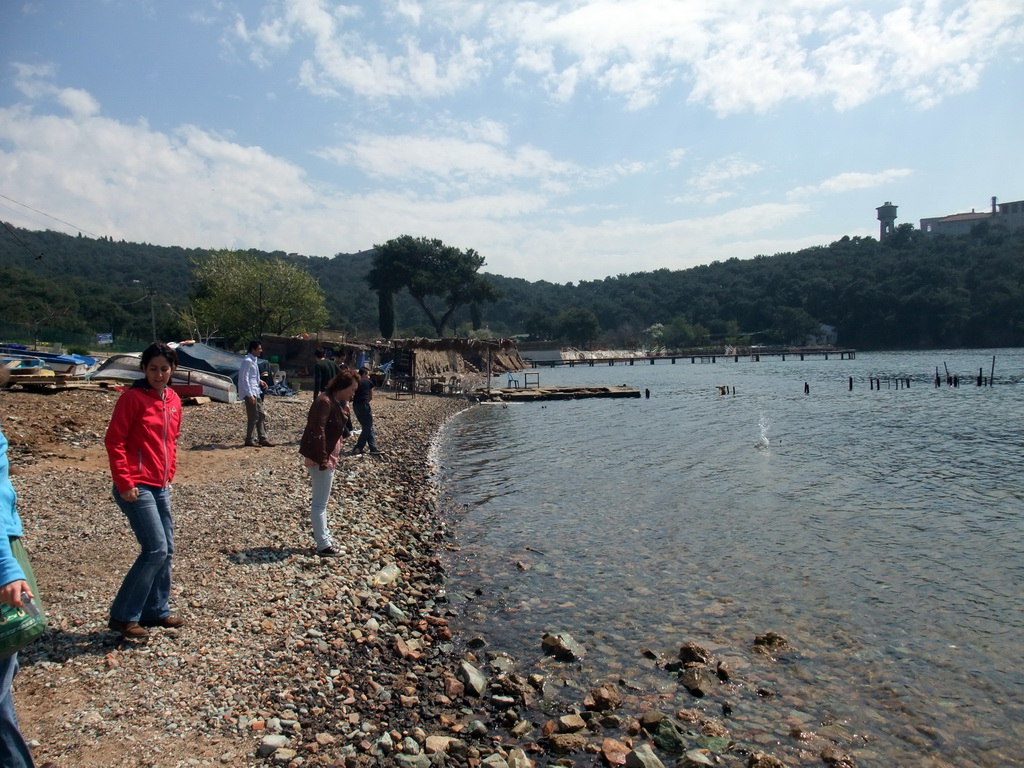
pixel 152 311
pixel 152 308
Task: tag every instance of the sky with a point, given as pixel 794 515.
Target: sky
pixel 562 140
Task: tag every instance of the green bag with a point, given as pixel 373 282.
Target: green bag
pixel 20 626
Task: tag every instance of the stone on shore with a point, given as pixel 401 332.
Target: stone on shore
pixel 562 646
pixel 643 757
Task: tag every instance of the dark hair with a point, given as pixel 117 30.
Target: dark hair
pixel 363 370
pixel 321 352
pixel 158 349
pixel 343 380
pixel 254 343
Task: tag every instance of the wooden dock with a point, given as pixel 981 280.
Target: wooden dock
pixel 58 382
pixel 753 354
pixel 536 394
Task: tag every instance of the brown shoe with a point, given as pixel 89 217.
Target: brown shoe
pixel 168 622
pixel 130 630
pixel 266 444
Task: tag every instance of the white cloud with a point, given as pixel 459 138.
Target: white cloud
pixel 675 157
pixel 718 180
pixel 340 56
pixel 846 182
pixel 33 80
pixel 78 102
pixel 610 247
pixel 734 56
pixel 410 9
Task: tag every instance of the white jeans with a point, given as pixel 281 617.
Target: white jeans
pixel 321 479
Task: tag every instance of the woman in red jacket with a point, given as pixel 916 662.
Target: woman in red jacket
pixel 141 444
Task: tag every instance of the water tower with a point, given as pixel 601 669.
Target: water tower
pixel 886 215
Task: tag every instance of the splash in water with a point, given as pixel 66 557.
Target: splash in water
pixel 763 443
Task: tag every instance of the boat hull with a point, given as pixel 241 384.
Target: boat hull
pixel 126 368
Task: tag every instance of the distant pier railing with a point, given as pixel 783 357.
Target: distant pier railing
pixel 694 356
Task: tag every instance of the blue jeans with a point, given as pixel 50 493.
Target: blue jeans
pixel 146 589
pixel 321 479
pixel 365 416
pixel 14 752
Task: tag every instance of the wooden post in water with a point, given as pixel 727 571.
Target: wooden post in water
pixel 992 373
pixel 488 371
pixel 851 383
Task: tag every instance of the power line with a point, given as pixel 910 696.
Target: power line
pixel 37 256
pixel 43 213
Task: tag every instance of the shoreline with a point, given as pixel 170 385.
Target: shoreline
pixel 287 658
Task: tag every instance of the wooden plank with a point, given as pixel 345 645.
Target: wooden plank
pixel 535 394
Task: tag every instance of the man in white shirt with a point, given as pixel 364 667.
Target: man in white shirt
pixel 250 389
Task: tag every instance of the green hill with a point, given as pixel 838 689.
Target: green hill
pixel 911 291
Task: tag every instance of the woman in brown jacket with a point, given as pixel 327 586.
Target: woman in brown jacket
pixel 326 426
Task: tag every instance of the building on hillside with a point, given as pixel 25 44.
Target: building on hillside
pixel 1008 215
pixel 887 220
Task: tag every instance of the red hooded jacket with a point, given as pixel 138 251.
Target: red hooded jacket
pixel 142 438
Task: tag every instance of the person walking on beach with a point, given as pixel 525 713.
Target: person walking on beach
pixel 364 413
pixel 250 389
pixel 327 425
pixel 324 370
pixel 141 442
pixel 14 585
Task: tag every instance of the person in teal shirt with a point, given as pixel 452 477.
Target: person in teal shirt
pixel 14 752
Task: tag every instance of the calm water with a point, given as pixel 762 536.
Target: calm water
pixel 880 532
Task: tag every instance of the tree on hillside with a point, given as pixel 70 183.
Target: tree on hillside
pixel 538 325
pixel 577 326
pixel 440 278
pixel 679 334
pixel 386 313
pixel 244 296
pixel 792 325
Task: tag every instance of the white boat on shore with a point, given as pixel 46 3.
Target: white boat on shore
pixel 211 385
pixel 60 364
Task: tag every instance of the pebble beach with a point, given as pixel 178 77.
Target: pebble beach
pixel 287 658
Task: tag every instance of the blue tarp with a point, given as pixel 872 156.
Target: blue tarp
pixel 203 357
